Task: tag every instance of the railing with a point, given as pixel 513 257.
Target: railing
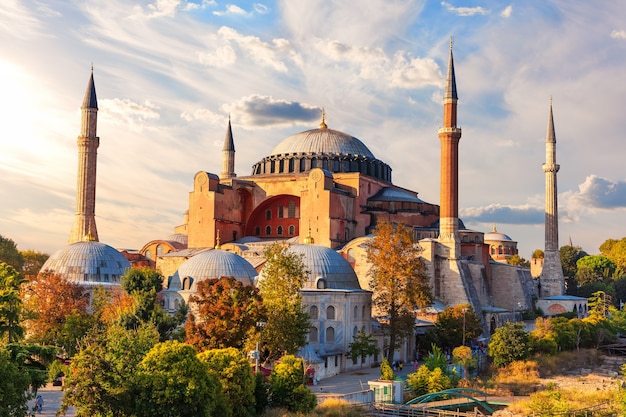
pixel 401 410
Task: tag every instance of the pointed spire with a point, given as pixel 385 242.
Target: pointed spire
pixel 450 92
pixel 551 136
pixel 229 143
pixel 323 123
pixel 90 101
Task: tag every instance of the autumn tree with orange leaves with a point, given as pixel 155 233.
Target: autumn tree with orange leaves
pixel 225 312
pixel 398 280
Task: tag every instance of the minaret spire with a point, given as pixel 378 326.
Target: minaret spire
pixel 228 155
pixel 552 279
pixel 449 136
pixel 88 142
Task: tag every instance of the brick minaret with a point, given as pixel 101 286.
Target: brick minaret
pixel 552 280
pixel 228 155
pixel 449 135
pixel 85 219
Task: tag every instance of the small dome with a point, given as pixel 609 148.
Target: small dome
pixel 217 263
pixel 178 237
pixel 325 263
pixel 494 235
pixel 322 141
pixel 88 263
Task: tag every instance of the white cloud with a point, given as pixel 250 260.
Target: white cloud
pixel 223 56
pixel 202 114
pixel 232 9
pixel 618 34
pixel 465 11
pixel 17 20
pixel 261 8
pixel 597 192
pixel 267 112
pixel 507 11
pixel 125 111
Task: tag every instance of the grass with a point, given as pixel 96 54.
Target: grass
pixel 329 408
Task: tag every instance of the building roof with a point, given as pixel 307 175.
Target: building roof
pixel 88 263
pixel 322 141
pixel 494 235
pixel 325 263
pixel 396 195
pixel 216 263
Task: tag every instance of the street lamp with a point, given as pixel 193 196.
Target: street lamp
pixel 464 311
pixel 257 353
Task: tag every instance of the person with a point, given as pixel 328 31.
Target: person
pixel 39 403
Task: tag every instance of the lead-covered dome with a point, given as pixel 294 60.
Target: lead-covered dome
pixel 495 236
pixel 324 148
pixel 216 263
pixel 88 263
pixel 327 268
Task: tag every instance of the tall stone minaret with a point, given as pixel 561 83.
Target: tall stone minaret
pixel 449 135
pixel 228 155
pixel 552 279
pixel 85 219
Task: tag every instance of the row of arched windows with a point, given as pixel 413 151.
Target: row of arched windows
pixel 280 211
pixel 279 230
pixel 330 335
pixel 330 312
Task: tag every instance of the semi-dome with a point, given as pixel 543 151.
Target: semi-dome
pixel 88 263
pixel 324 148
pixel 178 237
pixel 216 263
pixel 327 268
pixel 494 235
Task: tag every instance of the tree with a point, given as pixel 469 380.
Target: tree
pixel 615 250
pixel 569 256
pixel 362 346
pixel 386 371
pixel 234 373
pixel 49 301
pixel 537 254
pixel 225 312
pixel 282 277
pixel 172 381
pixel 14 394
pixel 462 355
pixel 287 386
pixel 517 260
pixel 398 280
pixel 509 343
pixel 10 303
pixel 593 268
pixel 451 322
pixel 9 253
pixel 33 261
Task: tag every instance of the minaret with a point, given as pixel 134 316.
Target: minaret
pixel 85 218
pixel 449 135
pixel 552 279
pixel 228 155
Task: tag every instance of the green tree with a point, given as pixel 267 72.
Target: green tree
pixel 14 394
pixel 10 304
pixel 615 250
pixel 398 280
pixel 451 322
pixel 418 381
pixel 593 268
pixel 172 381
pixel 287 386
pixel 362 346
pixel 518 260
pixel 9 253
pixel 234 373
pixel 33 261
pixel 225 312
pixel 509 343
pixel 282 278
pixel 569 256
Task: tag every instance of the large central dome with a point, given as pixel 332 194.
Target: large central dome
pixel 322 141
pixel 324 148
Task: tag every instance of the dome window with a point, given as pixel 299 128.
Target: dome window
pixel 320 283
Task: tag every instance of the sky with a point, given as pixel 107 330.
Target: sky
pixel 168 74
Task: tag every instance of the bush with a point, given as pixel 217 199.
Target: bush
pixel 519 377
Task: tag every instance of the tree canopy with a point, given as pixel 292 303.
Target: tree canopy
pixel 509 343
pixel 615 250
pixel 33 261
pixel 594 268
pixel 398 280
pixel 282 277
pixel 451 322
pixel 11 306
pixel 9 253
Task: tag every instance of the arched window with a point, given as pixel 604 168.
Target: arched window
pixel 355 331
pixel 363 313
pixel 330 335
pixel 279 230
pixel 268 214
pixel 356 312
pixel 292 230
pixel 330 313
pixel 320 283
pixel 159 250
pixel 268 230
pixel 257 230
pixel 313 335
pixel 314 312
pixel 291 209
pixel 281 212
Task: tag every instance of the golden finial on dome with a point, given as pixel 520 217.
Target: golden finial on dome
pixel 323 124
pixel 217 240
pixel 494 228
pixel 89 237
pixel 308 240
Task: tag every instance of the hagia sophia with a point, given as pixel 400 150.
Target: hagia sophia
pixel 322 192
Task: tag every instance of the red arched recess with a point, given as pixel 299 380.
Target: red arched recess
pixel 276 217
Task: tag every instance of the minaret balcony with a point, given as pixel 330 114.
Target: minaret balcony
pixel 450 130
